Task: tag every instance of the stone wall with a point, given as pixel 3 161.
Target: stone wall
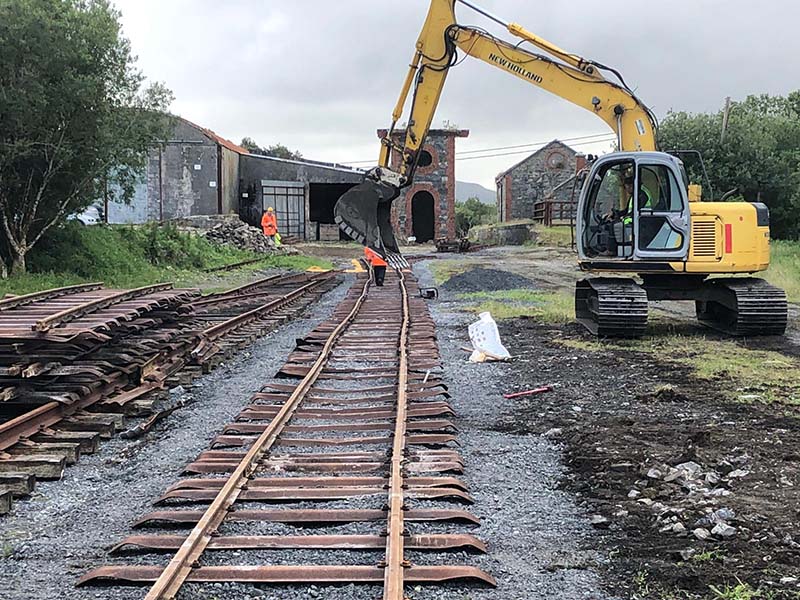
pixel 532 179
pixel 438 178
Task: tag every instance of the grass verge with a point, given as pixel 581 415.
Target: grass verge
pixel 784 268
pixel 559 236
pixel 442 270
pixel 550 307
pixel 742 374
pixel 129 257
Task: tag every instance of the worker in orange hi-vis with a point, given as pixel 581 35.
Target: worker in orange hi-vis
pixel 378 264
pixel 269 224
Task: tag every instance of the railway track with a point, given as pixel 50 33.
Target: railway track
pixel 354 440
pixel 77 362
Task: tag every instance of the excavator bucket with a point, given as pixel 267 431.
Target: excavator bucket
pixel 364 213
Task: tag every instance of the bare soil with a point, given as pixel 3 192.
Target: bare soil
pixel 626 420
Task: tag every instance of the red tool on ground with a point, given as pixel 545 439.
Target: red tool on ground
pixel 539 390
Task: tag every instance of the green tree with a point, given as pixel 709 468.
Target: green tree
pixel 759 158
pixel 473 212
pixel 276 150
pixel 74 115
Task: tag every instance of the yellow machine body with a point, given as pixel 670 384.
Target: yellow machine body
pixel 725 237
pixel 694 239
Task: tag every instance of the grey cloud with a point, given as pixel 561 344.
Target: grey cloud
pixel 322 76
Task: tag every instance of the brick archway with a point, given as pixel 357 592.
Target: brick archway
pixel 409 195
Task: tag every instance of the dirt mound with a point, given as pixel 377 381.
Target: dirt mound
pixel 486 280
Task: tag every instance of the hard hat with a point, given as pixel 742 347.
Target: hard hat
pixel 270 209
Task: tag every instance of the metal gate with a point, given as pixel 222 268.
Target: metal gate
pixel 288 198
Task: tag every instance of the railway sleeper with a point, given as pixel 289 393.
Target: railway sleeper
pixel 20 483
pixel 71 451
pixel 89 441
pixel 6 498
pixel 43 466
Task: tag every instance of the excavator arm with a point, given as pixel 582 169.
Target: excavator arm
pixel 364 211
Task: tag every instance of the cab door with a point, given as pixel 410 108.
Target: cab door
pixel 662 212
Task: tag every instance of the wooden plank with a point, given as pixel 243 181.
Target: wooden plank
pixel 6 496
pixel 20 484
pixel 44 466
pixel 69 450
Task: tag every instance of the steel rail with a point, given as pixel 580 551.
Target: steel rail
pixel 220 329
pixel 272 279
pixel 15 301
pixel 393 582
pixel 171 579
pixel 80 310
pixel 235 265
pixel 153 375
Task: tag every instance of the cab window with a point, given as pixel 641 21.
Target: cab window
pixel 658 193
pixel 658 189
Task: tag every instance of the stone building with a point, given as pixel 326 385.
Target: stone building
pixel 194 172
pixel 426 209
pixel 199 173
pixel 534 178
pixel 302 192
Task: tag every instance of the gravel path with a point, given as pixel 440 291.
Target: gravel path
pixel 539 540
pixel 66 527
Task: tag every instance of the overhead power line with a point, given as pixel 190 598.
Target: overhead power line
pixel 531 146
pixel 609 139
pixel 572 139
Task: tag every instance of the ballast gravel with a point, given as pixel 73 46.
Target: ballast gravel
pixel 539 540
pixel 65 528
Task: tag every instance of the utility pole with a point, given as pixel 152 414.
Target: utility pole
pixel 725 114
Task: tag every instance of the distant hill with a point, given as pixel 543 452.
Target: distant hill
pixel 466 190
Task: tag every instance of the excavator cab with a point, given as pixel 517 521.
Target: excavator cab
pixel 634 207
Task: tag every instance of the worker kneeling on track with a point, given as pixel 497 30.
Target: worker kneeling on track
pixel 378 264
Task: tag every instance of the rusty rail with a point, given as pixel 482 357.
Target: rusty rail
pixel 74 312
pixel 236 265
pixel 172 578
pixel 16 301
pixel 375 328
pixel 59 383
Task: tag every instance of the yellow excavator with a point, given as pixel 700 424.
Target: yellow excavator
pixel 637 214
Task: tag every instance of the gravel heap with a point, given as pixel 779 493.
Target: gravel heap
pixel 486 280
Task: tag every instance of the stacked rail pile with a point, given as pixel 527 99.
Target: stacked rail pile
pixel 359 447
pixel 75 361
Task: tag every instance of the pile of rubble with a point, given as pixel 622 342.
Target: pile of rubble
pixel 689 500
pixel 240 235
pixel 230 230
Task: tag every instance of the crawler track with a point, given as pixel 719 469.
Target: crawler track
pixel 75 362
pixel 358 446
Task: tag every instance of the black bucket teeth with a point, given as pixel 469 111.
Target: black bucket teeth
pixel 364 213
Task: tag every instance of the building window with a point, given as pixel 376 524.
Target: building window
pixel 425 159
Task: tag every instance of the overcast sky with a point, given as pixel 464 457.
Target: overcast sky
pixel 321 76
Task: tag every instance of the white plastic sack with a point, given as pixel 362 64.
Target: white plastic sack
pixel 485 340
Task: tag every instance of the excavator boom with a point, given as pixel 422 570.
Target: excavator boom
pixel 364 212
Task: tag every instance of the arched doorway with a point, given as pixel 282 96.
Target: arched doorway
pixel 422 217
